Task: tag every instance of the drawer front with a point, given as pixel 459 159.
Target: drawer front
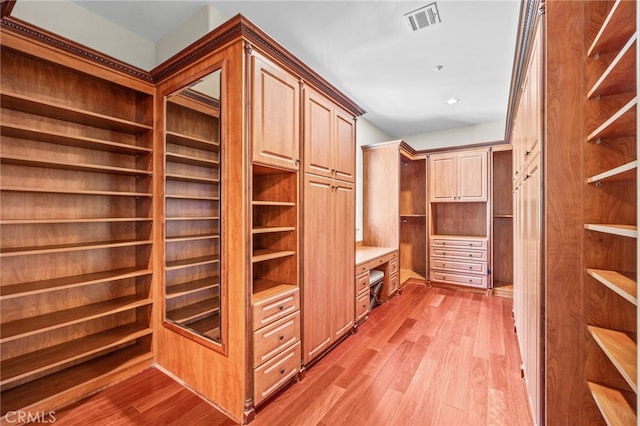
pixel 458 278
pixel 459 254
pixel 362 283
pixel 276 372
pixel 273 308
pixel 394 282
pixel 362 268
pixel 376 262
pixel 393 266
pixel 273 338
pixel 452 265
pixel 362 306
pixel 462 244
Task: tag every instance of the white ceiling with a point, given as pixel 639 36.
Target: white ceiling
pixel 366 50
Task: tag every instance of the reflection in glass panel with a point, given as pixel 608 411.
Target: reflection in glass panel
pixel 192 208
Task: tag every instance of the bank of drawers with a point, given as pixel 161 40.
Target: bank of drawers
pixel 276 342
pixel 388 263
pixel 459 260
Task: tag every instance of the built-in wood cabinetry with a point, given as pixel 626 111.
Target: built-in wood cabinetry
pixel 145 222
pixel 459 218
pixel 574 134
pixel 502 217
pixel 76 225
pixel 328 138
pixel 395 206
pixel 458 176
pixel 275 114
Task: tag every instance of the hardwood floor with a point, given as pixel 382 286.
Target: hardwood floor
pixel 431 356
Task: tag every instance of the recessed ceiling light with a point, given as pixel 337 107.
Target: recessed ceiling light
pixel 438 67
pixel 452 101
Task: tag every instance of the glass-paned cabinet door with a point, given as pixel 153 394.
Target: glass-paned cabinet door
pixel 192 209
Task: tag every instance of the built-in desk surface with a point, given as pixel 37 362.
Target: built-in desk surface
pixel 365 254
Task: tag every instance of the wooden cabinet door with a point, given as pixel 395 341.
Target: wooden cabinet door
pixel 472 176
pixel 443 180
pixel 343 254
pixel 318 134
pixel 275 115
pixel 344 146
pixel 319 253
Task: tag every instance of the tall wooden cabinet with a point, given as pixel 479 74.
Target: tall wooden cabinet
pixel 329 224
pixel 76 224
pixel 149 220
pixel 574 134
pixel 395 206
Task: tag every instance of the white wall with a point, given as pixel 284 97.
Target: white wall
pixel 105 36
pixel 366 134
pixel 203 21
pixel 469 135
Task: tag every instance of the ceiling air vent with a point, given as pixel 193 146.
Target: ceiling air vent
pixel 424 17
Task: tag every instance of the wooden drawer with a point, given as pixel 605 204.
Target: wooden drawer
pixel 458 278
pixel 383 259
pixel 394 282
pixel 451 265
pixel 393 266
pixel 362 268
pixel 277 371
pixel 275 337
pixel 471 244
pixel 459 254
pixel 362 306
pixel 270 309
pixel 362 283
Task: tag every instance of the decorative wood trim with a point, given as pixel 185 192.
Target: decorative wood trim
pixel 462 147
pixel 45 37
pixel 202 98
pixel 240 27
pixel 530 13
pixel 7 7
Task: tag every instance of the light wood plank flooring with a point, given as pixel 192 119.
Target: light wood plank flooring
pixel 431 356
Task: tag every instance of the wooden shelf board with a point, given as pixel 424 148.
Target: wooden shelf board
pixel 406 274
pixel 260 255
pixel 616 28
pixel 413 215
pixel 615 410
pixel 23 132
pixel 74 380
pixel 263 289
pixel 189 218
pixel 274 203
pixel 49 109
pixel 503 216
pixel 272 229
pixel 44 190
pixel 191 238
pixel 94 168
pixel 192 141
pixel 73 220
pixel 620 124
pixel 187 178
pixel 621 350
pixel 191 197
pixel 191 160
pixel 30 364
pixel 622 285
pixel 42 323
pixel 182 289
pixel 208 327
pixel 620 76
pixel 625 172
pixel 44 286
pixel 459 237
pixel 186 263
pixel 62 248
pixel 630 231
pixel 196 311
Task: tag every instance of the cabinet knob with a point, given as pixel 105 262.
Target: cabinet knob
pixel 281 337
pixel 282 371
pixel 297 161
pixel 281 307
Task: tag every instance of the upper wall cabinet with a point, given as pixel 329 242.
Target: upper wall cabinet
pixel 458 176
pixel 329 135
pixel 275 115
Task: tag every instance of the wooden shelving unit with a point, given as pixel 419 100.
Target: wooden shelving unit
pixel 611 211
pixel 502 222
pixel 192 214
pixel 75 229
